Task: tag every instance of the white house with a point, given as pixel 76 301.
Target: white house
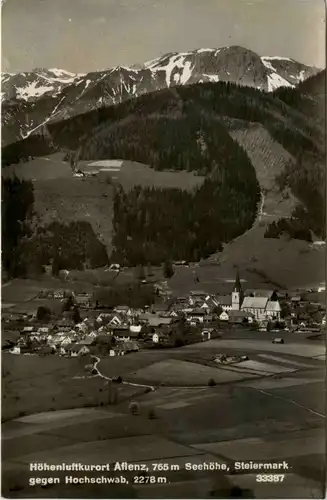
pixel 197 296
pixel 82 327
pixel 206 334
pixel 43 329
pixel 135 328
pixel 94 333
pixel 155 338
pixel 15 350
pixel 27 329
pixel 224 316
pixel 116 352
pixel 116 320
pixel 77 350
pixel 114 267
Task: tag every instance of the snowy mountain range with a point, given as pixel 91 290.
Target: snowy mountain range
pixel 35 83
pixel 32 99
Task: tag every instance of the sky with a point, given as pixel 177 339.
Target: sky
pixel 89 35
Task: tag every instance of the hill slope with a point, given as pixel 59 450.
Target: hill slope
pixel 230 134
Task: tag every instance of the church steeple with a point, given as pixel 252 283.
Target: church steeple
pixel 237 285
pixel 237 294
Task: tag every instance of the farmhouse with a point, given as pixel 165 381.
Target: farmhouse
pixel 208 333
pixel 123 310
pixel 160 337
pixel 75 350
pixel 197 296
pixel 121 333
pixel 116 320
pixel 198 314
pixel 155 320
pixel 89 339
pixel 83 300
pixel 238 317
pixel 224 316
pixel 159 309
pixel 114 267
pixel 225 302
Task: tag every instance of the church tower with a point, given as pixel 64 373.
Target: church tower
pixel 237 294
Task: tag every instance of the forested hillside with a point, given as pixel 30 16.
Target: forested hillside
pixel 27 247
pixel 184 128
pixel 153 225
pixel 17 211
pixel 306 176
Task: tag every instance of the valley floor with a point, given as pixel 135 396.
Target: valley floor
pixel 272 411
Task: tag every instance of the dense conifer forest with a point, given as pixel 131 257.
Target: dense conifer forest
pixel 27 248
pixel 16 215
pixel 183 128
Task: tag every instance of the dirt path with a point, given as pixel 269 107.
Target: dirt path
pixel 99 374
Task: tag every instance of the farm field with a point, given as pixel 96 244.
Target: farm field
pixel 193 424
pixel 61 383
pixel 177 372
pixel 20 295
pixel 275 263
pixel 133 173
pixel 61 196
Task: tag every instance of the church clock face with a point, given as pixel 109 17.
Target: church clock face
pixel 235 300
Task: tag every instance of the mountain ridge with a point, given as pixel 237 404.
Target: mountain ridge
pixel 51 95
pixel 245 142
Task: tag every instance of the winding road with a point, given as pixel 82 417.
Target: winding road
pixel 110 379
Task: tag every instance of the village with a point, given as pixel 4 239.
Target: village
pixel 84 327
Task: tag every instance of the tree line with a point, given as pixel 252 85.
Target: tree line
pixel 27 248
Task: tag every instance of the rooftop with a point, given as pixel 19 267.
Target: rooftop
pixel 254 303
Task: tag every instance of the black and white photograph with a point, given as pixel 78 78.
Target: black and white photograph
pixel 163 300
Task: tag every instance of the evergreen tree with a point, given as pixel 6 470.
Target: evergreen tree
pixel 68 304
pixel 43 313
pixel 76 315
pixel 168 269
pixel 17 209
pixel 55 269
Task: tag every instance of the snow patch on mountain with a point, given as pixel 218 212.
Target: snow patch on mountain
pixel 275 81
pixel 277 58
pixel 168 66
pixel 33 90
pixel 187 72
pixel 212 78
pixel 200 51
pixel 57 79
pixel 62 72
pixel 87 83
pixel 301 76
pixel 267 64
pixel 84 92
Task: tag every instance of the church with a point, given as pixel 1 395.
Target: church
pixel 264 304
